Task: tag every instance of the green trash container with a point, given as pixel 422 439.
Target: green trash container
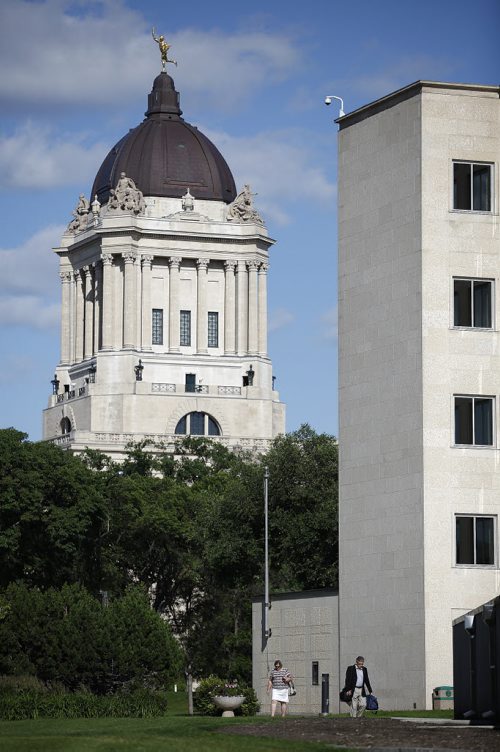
pixel 442 698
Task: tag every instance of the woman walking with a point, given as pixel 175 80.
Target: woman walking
pixel 279 681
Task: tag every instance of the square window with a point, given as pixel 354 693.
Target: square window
pixel 213 329
pixel 474 421
pixel 475 540
pixel 472 186
pixel 472 303
pixel 157 326
pixel 185 326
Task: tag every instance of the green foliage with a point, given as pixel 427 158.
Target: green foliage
pixel 213 685
pixel 66 636
pixel 42 704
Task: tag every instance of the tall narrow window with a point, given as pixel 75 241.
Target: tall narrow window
pixel 472 186
pixel 213 329
pixel 190 382
pixel 475 540
pixel 474 421
pixel 185 333
pixel 472 303
pixel 157 326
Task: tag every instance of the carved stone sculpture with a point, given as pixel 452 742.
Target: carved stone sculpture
pixel 241 210
pixel 81 215
pixel 126 197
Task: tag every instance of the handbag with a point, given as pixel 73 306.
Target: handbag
pixel 291 690
pixel 344 697
pixel 371 703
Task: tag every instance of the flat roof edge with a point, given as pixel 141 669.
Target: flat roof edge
pixel 406 92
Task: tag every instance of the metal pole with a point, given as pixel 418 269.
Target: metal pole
pixel 267 604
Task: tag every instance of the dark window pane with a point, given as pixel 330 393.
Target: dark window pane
pixel 213 428
pixel 462 302
pixel 157 326
pixel 197 424
pixel 482 304
pixel 462 186
pixel 185 325
pixel 483 422
pixel 181 426
pixel 213 329
pixel 484 541
pixel 463 420
pixel 465 540
pixel 481 187
pixel 190 382
pixel 315 672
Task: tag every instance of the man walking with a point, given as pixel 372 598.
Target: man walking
pixel 356 679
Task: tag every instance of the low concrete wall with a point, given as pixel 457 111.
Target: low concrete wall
pixel 304 629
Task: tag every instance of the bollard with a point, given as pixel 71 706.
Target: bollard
pixel 325 694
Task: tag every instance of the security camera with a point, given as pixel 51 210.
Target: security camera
pixel 328 100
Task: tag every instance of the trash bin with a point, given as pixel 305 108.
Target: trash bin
pixel 442 698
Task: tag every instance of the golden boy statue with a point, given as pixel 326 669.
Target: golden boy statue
pixel 164 48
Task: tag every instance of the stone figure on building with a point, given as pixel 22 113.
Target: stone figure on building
pixel 241 210
pixel 80 214
pixel 126 197
pixel 164 48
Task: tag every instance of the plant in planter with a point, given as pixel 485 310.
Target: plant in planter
pixel 214 686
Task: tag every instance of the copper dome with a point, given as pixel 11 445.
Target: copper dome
pixel 165 156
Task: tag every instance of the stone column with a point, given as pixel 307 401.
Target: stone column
pixel 89 314
pixel 174 316
pixel 242 322
pixel 146 318
pixel 97 307
pixel 229 308
pixel 65 317
pixel 201 307
pixel 79 315
pixel 263 309
pixel 129 300
pixel 252 307
pixel 107 301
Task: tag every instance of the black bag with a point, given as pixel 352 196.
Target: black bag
pixel 291 689
pixel 371 703
pixel 344 697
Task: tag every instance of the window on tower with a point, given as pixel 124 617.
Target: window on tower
pixel 472 303
pixel 198 424
pixel 157 326
pixel 474 420
pixel 213 329
pixel 475 540
pixel 185 333
pixel 65 426
pixel 472 186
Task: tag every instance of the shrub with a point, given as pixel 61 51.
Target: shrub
pixel 214 685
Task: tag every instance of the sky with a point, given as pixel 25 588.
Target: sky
pixel 253 77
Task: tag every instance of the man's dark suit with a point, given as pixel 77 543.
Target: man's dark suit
pixel 351 679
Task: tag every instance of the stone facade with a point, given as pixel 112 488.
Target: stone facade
pixel 404 475
pixel 304 631
pixel 164 314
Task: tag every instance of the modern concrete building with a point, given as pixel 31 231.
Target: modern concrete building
pixel 304 636
pixel 164 298
pixel 419 317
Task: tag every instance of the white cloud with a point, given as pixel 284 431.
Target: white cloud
pixel 104 54
pixel 329 323
pixel 280 168
pixel 29 284
pixel 36 157
pixel 279 318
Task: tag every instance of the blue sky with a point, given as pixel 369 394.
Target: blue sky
pixel 253 77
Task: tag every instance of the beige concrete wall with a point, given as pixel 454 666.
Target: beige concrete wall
pixel 304 629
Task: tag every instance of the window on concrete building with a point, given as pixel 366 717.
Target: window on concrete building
pixel 475 540
pixel 474 420
pixel 472 303
pixel 197 424
pixel 213 329
pixel 315 673
pixel 472 186
pixel 185 333
pixel 65 425
pixel 157 326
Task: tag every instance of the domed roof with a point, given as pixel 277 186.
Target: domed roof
pixel 165 156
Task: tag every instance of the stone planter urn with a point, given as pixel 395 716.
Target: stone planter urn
pixel 228 704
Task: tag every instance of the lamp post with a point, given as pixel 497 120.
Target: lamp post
pixel 267 604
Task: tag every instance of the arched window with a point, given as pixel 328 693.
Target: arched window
pixel 65 425
pixel 197 424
